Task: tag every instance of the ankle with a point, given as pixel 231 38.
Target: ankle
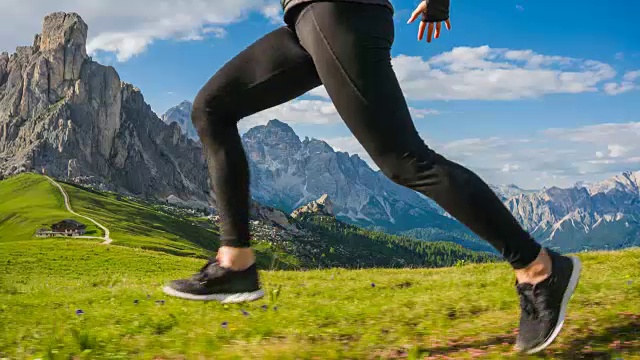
pixel 235 258
pixel 537 271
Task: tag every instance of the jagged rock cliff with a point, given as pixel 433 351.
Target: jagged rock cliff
pixel 322 206
pixel 63 113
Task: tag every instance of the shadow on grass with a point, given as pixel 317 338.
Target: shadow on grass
pixel 622 337
pixel 595 344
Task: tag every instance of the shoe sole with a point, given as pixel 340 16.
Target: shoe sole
pixel 222 298
pixel 571 287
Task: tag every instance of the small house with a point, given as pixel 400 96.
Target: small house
pixel 69 227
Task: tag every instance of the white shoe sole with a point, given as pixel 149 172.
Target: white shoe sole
pixel 222 298
pixel 573 282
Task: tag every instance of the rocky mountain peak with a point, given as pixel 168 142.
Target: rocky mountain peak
pixel 322 206
pixel 628 181
pixel 181 114
pixel 274 132
pixel 277 124
pixel 64 39
pixel 73 117
pixel 275 140
pixel 185 105
pixel 60 29
pixel 317 146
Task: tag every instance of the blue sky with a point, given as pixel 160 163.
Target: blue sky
pixel 536 93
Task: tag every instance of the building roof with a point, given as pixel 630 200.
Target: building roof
pixel 71 222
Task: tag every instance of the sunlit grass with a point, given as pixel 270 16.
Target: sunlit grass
pixel 330 314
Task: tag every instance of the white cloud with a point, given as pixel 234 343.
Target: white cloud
pixel 422 113
pixel 350 145
pixel 485 73
pixel 273 12
pixel 510 167
pixel 616 151
pixel 558 157
pixel 201 34
pixel 124 27
pixel 629 82
pixel 316 112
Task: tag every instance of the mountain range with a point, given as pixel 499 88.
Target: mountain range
pixel 68 116
pixel 287 172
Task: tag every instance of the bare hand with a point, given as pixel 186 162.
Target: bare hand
pixel 421 9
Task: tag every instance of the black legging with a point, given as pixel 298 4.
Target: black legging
pixel 347 47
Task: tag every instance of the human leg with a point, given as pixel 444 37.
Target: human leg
pixel 350 45
pixel 271 71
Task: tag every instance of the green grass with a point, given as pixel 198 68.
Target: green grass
pixel 451 312
pixel 137 224
pixel 28 202
pixel 458 312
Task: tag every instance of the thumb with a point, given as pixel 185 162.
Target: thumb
pixel 417 12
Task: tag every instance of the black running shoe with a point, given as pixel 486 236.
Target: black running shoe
pixel 215 283
pixel 544 305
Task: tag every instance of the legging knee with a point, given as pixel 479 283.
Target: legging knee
pixel 418 171
pixel 210 116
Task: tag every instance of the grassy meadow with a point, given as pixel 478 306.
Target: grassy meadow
pixel 78 299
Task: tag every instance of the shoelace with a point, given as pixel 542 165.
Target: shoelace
pixel 533 301
pixel 202 274
pixel 527 301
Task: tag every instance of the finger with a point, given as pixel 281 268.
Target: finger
pixel 421 28
pixel 430 32
pixel 438 28
pixel 413 17
pixel 417 12
pixel 448 24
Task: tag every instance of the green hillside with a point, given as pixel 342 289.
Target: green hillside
pixel 448 313
pixel 144 225
pixel 33 200
pixel 29 201
pixel 341 244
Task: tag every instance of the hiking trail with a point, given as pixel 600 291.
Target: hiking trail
pixel 106 238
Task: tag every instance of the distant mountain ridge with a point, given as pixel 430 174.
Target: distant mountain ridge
pixel 288 172
pixel 600 215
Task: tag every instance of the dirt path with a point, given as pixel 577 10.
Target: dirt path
pixel 106 238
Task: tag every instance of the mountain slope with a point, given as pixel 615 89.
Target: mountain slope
pixel 32 201
pixel 65 114
pixel 339 243
pixel 28 202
